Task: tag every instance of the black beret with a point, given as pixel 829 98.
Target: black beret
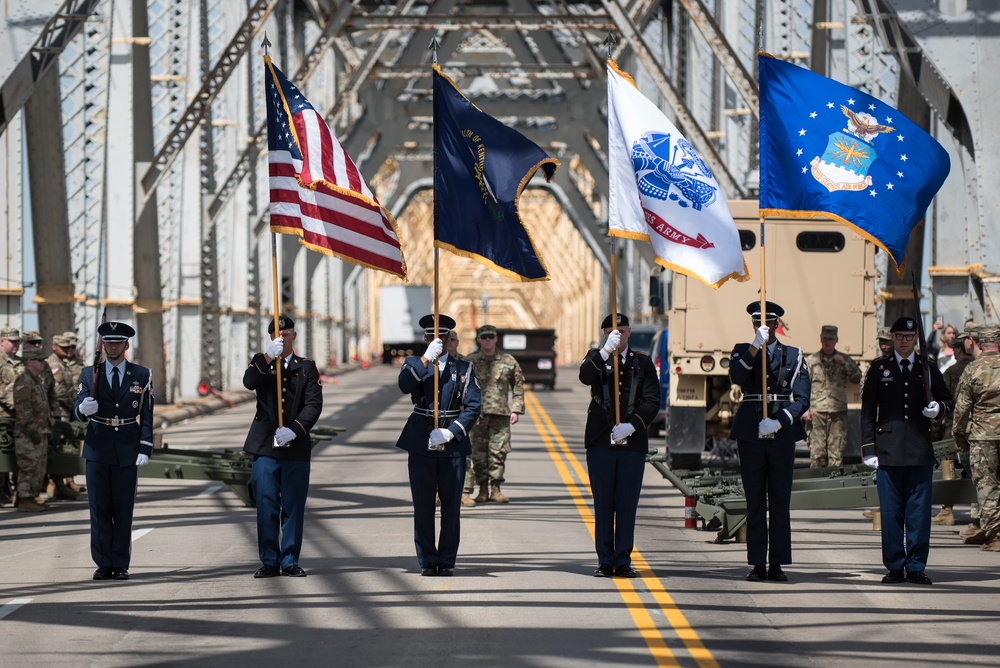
pixel 622 321
pixel 115 331
pixel 284 322
pixel 904 324
pixel 773 310
pixel 445 324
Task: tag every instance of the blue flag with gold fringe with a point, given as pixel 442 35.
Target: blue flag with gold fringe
pixel 827 149
pixel 480 169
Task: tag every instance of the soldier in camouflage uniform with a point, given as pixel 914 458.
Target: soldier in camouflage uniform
pixel 65 367
pixel 830 372
pixel 977 432
pixel 502 387
pixel 33 341
pixel 941 430
pixel 10 367
pixel 31 431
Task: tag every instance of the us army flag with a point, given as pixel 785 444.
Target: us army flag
pixel 662 192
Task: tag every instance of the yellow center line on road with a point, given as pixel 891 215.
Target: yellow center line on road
pixel 558 449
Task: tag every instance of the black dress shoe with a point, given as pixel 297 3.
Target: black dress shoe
pixel 446 571
pixel 775 574
pixel 604 571
pixel 294 571
pixel 119 574
pixel 758 574
pixel 625 571
pixel 266 571
pixel 429 571
pixel 892 577
pixel 103 573
pixel 918 577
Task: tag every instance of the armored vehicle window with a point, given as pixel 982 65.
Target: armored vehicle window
pixel 747 240
pixel 820 242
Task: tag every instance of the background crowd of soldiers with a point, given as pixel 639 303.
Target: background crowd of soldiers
pixel 37 387
pixel 970 363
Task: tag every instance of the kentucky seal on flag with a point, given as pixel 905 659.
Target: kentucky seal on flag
pixel 661 191
pixel 827 149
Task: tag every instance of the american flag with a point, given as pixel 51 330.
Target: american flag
pixel 317 191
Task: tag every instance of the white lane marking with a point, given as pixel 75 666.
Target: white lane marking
pixel 13 605
pixel 209 491
pixel 139 533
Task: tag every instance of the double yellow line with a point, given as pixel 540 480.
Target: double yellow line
pixel 565 460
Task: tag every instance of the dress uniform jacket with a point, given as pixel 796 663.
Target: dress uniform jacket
pixel 107 441
pixel 459 403
pixel 788 389
pixel 892 420
pixel 301 404
pixel 638 395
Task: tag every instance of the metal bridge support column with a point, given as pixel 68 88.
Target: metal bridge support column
pixel 11 263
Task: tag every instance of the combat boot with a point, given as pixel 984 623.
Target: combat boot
pixel 63 491
pixel 970 530
pixel 945 517
pixel 497 496
pixel 468 501
pixel 992 545
pixel 29 505
pixel 484 493
pixel 977 538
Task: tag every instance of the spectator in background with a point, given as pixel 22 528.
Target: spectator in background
pixel 940 344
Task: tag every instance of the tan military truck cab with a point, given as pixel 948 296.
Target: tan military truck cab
pixel 819 270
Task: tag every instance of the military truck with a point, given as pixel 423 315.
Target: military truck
pixel 535 351
pixel 401 307
pixel 820 271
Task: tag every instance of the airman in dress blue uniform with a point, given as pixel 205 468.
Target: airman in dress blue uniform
pixel 896 440
pixel 767 444
pixel 438 452
pixel 119 439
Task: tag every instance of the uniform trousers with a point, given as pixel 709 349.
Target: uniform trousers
pixel 766 469
pixel 280 488
pixel 616 483
pixel 904 496
pixel 430 477
pixel 111 491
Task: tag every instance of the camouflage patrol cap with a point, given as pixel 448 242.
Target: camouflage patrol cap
pixel 989 334
pixel 10 333
pixel 33 354
pixel 884 334
pixel 973 331
pixel 486 329
pixel 32 336
pixel 65 339
pixel 828 331
pixel 453 335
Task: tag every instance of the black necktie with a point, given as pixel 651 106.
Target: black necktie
pixel 116 385
pixel 905 364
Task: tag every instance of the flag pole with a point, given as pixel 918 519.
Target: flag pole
pixel 274 282
pixel 614 325
pixel 437 288
pixel 763 320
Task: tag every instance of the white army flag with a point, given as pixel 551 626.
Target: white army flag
pixel 661 191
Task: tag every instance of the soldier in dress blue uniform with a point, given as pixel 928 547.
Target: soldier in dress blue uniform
pixel 438 452
pixel 896 440
pixel 119 439
pixel 280 469
pixel 767 444
pixel 616 451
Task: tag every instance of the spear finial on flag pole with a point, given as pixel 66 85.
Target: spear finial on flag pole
pixel 266 45
pixel 610 42
pixel 434 46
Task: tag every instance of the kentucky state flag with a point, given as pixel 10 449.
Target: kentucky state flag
pixel 480 168
pixel 827 149
pixel 661 191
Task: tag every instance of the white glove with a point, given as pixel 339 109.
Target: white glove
pixel 768 426
pixel 762 336
pixel 621 431
pixel 275 348
pixel 88 406
pixel 283 437
pixel 441 436
pixel 611 345
pixel 931 410
pixel 433 351
pixel 141 460
pixel 871 461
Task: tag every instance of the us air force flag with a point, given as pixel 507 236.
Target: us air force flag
pixel 480 168
pixel 661 191
pixel 827 149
